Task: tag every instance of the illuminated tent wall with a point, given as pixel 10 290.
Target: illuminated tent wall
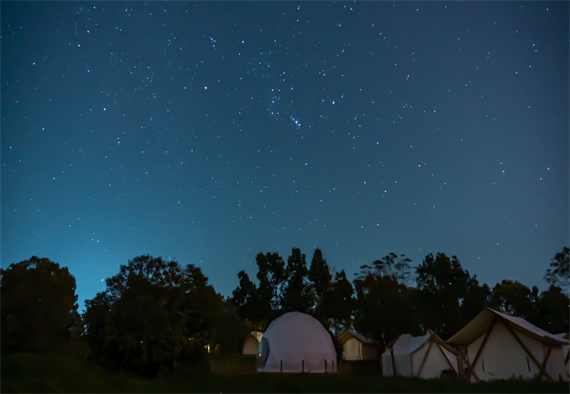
pixel 423 357
pixel 250 345
pixel 296 342
pixel 357 347
pixel 499 346
pixel 565 350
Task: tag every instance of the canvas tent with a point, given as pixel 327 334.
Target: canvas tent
pixel 357 347
pixel 499 346
pixel 296 342
pixel 565 352
pixel 423 357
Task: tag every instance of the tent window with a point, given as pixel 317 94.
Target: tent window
pixel 482 364
pixel 528 363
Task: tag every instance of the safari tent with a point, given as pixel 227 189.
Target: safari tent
pixel 296 342
pixel 425 357
pixel 498 346
pixel 357 347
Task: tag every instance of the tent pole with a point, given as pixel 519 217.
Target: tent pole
pixel 427 353
pixel 446 359
pixel 543 367
pixel 481 348
pixel 325 366
pixel 464 358
pixel 281 366
pixel 534 360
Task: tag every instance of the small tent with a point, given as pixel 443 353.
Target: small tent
pixel 250 345
pixel 499 346
pixel 357 347
pixel 423 357
pixel 296 342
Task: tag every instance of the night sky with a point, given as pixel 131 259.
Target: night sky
pixel 209 132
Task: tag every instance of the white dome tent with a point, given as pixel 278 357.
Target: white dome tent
pixel 296 342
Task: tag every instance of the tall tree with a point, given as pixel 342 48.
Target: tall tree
pixel 296 294
pixel 272 276
pixel 383 308
pixel 319 274
pixel 559 272
pixel 442 285
pixel 37 302
pixel 336 306
pixel 245 297
pixel 259 304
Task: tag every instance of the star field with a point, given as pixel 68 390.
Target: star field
pixel 212 131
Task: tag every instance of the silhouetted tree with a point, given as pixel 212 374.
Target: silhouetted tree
pixel 245 297
pixel 272 277
pixel 319 274
pixel 476 298
pixel 336 306
pixel 383 308
pixel 153 313
pixel 552 308
pixel 559 272
pixel 259 304
pixel 442 285
pixel 296 293
pixel 397 268
pixel 38 303
pixel 514 298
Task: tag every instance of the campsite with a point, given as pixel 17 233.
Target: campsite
pixel 311 336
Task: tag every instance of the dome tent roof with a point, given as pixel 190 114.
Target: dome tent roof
pixel 296 341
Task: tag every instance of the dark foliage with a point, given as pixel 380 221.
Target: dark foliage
pixel 384 308
pixel 297 295
pixel 229 330
pixel 336 307
pixel 447 296
pixel 38 304
pixel 153 314
pixel 559 272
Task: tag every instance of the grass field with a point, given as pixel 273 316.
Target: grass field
pixel 60 372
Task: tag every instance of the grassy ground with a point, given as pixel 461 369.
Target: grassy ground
pixel 60 372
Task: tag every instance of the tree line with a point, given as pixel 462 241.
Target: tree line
pixel 157 313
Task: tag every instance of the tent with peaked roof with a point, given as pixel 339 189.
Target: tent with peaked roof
pixel 296 342
pixel 357 347
pixel 423 357
pixel 499 346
